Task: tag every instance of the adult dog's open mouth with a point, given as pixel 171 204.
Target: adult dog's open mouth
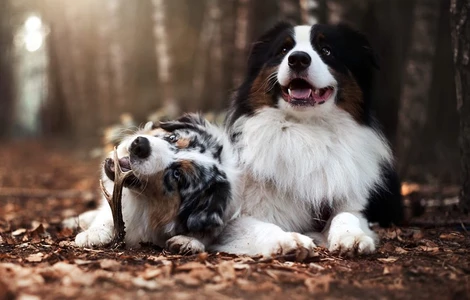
pixel 300 92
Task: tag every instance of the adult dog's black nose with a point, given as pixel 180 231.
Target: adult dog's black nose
pixel 140 147
pixel 299 61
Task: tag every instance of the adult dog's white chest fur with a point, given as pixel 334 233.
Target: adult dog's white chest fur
pixel 294 166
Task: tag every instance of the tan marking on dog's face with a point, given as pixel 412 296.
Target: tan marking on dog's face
pixel 187 167
pixel 158 132
pixel 350 96
pixel 259 96
pixel 182 143
pixel 162 206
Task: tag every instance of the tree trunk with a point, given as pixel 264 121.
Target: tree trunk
pixel 313 11
pixel 228 35
pixel 241 40
pixel 217 69
pixel 417 79
pixel 116 54
pixel 460 25
pixel 290 11
pixel 164 58
pixel 6 68
pixel 204 52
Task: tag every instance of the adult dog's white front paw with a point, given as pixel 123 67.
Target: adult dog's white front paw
pixel 290 243
pixel 182 244
pixel 350 244
pixel 94 237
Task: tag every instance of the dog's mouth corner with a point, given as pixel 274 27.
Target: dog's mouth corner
pixel 300 92
pixel 125 164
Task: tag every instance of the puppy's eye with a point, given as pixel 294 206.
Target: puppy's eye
pixel 171 138
pixel 176 174
pixel 326 51
pixel 284 51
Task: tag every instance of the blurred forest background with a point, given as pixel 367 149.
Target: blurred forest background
pixel 71 69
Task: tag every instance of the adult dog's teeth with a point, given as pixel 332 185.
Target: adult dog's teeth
pixel 290 92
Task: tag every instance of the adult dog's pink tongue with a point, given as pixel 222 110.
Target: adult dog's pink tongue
pixel 300 93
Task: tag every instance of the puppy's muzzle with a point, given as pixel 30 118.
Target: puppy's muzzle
pixel 140 147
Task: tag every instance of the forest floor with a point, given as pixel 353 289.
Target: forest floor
pixel 40 185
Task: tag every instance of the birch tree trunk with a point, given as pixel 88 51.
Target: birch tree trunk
pixel 163 57
pixel 417 79
pixel 460 26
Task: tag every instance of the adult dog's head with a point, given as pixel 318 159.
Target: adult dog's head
pixel 178 169
pixel 307 70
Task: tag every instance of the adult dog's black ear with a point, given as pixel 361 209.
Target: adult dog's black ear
pixel 202 209
pixel 186 121
pixel 359 46
pixel 260 48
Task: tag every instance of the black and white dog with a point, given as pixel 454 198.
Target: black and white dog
pixel 182 192
pixel 311 155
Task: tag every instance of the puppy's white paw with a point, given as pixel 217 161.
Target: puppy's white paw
pixel 350 244
pixel 94 237
pixel 184 245
pixel 291 243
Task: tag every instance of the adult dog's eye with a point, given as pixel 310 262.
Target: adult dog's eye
pixel 176 174
pixel 326 51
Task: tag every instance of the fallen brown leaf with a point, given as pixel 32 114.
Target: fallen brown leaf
pixel 110 264
pixel 388 259
pixel 226 270
pixel 18 231
pixel 190 266
pixel 320 284
pixel 36 257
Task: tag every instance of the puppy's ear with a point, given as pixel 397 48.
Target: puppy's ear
pixel 149 125
pixel 209 213
pixel 203 206
pixel 187 121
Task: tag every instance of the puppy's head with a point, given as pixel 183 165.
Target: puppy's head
pixel 177 170
pixel 307 70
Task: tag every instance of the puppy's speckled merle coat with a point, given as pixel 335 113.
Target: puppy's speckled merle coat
pixel 182 192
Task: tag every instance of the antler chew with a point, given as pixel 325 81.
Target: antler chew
pixel 115 202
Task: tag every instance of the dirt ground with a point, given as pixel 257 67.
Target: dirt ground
pixel 40 185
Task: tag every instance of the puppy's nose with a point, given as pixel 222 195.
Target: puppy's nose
pixel 140 147
pixel 299 61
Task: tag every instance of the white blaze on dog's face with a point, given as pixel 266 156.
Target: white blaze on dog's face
pixel 304 78
pixel 308 72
